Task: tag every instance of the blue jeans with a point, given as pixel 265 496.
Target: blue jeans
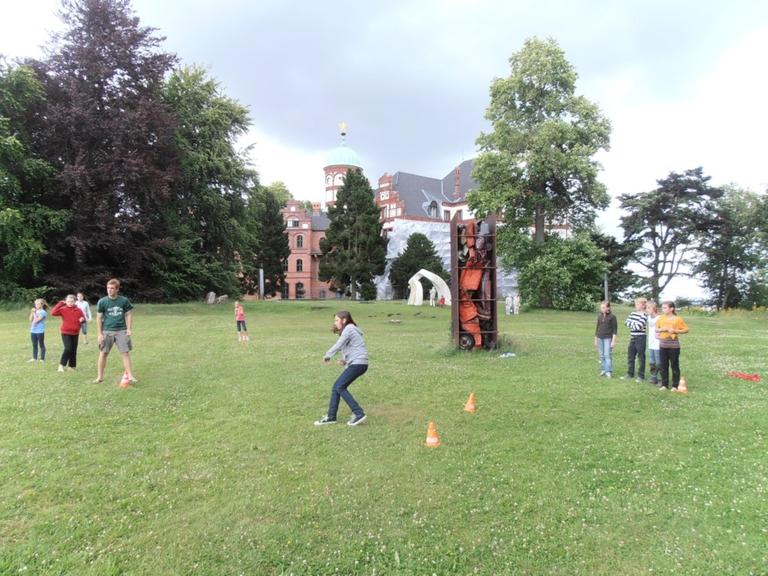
pixel 604 350
pixel 654 358
pixel 339 390
pixel 38 340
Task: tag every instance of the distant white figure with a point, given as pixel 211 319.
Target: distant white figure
pixel 508 304
pixel 432 294
pixel 516 303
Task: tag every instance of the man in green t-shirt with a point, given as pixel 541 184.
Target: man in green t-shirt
pixel 113 327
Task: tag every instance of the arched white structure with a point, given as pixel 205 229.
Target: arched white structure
pixel 416 297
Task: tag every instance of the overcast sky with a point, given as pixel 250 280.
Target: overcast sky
pixel 684 83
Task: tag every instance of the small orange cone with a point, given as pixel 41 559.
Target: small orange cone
pixel 432 440
pixel 471 404
pixel 125 382
pixel 682 387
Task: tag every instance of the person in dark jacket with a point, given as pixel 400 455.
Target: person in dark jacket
pixel 605 338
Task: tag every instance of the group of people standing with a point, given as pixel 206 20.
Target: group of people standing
pixel 659 333
pixel 113 328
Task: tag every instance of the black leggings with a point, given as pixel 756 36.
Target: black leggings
pixel 38 340
pixel 669 357
pixel 69 356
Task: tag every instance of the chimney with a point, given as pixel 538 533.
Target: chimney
pixel 315 208
pixel 457 183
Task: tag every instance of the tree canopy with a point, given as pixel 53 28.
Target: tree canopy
pixel 353 250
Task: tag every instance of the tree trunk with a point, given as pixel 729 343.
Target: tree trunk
pixel 538 225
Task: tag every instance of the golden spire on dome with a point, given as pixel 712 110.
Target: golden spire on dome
pixel 343 128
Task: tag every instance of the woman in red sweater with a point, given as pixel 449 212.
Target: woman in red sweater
pixel 71 318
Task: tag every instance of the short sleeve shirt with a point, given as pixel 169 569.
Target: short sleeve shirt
pixel 39 328
pixel 113 312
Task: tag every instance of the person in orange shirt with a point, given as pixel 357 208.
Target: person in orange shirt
pixel 668 328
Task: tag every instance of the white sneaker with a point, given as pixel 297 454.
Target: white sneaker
pixel 61 368
pixel 355 420
pixel 31 360
pixel 607 374
pixel 324 420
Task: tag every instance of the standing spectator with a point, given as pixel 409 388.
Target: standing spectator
pixel 71 318
pixel 654 359
pixel 83 304
pixel 637 322
pixel 114 320
pixel 37 329
pixel 508 304
pixel 432 294
pixel 516 303
pixel 605 338
pixel 242 329
pixel 668 327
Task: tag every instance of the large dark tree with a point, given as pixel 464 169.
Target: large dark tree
pixel 207 217
pixel 667 222
pixel 110 138
pixel 353 250
pixel 419 253
pixel 26 223
pixel 728 250
pixel 618 256
pixel 271 248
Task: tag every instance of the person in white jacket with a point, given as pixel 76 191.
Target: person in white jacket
pixel 83 304
pixel 354 356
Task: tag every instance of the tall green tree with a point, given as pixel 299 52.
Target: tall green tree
pixel 26 223
pixel 207 218
pixel 353 250
pixel 668 222
pixel 728 250
pixel 271 246
pixel 566 273
pixel 419 253
pixel 618 255
pixel 537 165
pixel 110 139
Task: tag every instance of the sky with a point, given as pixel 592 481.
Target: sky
pixel 683 83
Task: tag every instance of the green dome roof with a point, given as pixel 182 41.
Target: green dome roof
pixel 343 156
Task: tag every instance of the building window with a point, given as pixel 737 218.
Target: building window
pixel 286 290
pixel 285 265
pixel 446 215
pixel 293 223
pixel 299 291
pixel 299 265
pixel 432 210
pixel 459 214
pixel 322 293
pixel 299 241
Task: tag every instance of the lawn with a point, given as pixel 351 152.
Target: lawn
pixel 211 464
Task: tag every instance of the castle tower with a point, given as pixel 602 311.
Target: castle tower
pixel 340 161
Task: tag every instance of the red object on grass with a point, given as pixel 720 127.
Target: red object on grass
pixel 745 376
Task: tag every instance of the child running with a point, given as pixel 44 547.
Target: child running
pixel 37 329
pixel 653 341
pixel 605 338
pixel 71 318
pixel 242 330
pixel 354 356
pixel 668 327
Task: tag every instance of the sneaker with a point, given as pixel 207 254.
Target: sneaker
pixel 324 420
pixel 602 373
pixel 31 360
pixel 639 380
pixel 607 374
pixel 61 368
pixel 355 420
pixel 663 388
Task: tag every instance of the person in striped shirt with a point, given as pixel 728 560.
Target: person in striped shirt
pixel 637 322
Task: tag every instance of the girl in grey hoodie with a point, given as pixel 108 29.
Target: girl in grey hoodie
pixel 354 356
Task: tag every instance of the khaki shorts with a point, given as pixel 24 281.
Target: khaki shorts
pixel 120 338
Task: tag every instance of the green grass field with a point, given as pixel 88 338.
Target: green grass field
pixel 211 464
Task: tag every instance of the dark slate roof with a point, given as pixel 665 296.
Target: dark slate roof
pixel 320 221
pixel 418 192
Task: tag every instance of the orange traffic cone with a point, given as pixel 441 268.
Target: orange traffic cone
pixel 682 386
pixel 471 404
pixel 125 382
pixel 432 440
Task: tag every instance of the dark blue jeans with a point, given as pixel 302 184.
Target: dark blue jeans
pixel 38 340
pixel 339 390
pixel 636 348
